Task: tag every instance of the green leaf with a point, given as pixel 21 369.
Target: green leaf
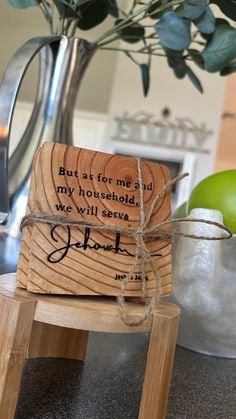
pixel 194 79
pixel 195 8
pixel 47 11
pixel 92 14
pixel 229 69
pixel 24 4
pixel 173 31
pixel 180 10
pixel 219 21
pixel 196 57
pixel 80 2
pixel 145 73
pixel 131 34
pixel 113 8
pixel 153 11
pixel 221 49
pixel 206 23
pixel 65 10
pixel 178 65
pixel 228 7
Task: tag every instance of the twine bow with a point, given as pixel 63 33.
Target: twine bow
pixel 142 256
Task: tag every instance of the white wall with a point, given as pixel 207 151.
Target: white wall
pixel 179 95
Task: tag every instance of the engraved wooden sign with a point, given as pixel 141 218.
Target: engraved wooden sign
pixel 95 187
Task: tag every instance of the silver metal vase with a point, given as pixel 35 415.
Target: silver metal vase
pixel 63 62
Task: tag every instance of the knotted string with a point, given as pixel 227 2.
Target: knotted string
pixel 142 257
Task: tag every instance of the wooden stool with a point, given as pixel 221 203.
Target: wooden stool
pixel 33 325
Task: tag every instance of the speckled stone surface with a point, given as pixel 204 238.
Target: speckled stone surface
pixel 108 385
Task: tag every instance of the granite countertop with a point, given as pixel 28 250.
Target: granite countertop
pixel 108 385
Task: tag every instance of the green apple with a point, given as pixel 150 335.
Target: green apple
pixel 218 192
pixel 181 211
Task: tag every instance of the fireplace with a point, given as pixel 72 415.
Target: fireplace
pixel 178 143
pixel 177 162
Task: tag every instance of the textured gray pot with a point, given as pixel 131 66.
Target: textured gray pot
pixel 204 286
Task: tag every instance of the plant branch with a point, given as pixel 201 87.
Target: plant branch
pixel 135 2
pixel 115 38
pixel 74 27
pixel 122 12
pixel 67 26
pixel 154 45
pixel 46 10
pixel 129 20
pixel 131 51
pixel 53 14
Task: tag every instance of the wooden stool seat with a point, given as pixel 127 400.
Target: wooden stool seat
pixel 36 325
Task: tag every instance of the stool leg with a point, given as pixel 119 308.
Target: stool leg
pixel 48 340
pixel 16 319
pixel 159 363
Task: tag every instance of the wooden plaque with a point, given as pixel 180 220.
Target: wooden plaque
pixel 98 187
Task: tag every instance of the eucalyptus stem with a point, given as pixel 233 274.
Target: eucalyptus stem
pixel 67 26
pixel 129 20
pixel 61 25
pixel 131 51
pixel 135 2
pixel 151 36
pixel 74 27
pixel 115 38
pixel 44 8
pixel 122 12
pixel 154 44
pixel 198 42
pixel 53 13
pixel 131 58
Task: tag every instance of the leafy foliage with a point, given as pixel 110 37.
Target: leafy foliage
pixel 195 10
pixel 92 13
pixel 113 8
pixel 133 33
pixel 186 32
pixel 221 50
pixel 194 79
pixel 206 22
pixel 24 4
pixel 65 10
pixel 145 73
pixel 173 31
pixel 177 63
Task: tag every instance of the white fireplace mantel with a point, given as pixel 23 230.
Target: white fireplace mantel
pixel 187 161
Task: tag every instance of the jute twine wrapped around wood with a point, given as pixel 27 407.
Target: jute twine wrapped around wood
pixel 142 256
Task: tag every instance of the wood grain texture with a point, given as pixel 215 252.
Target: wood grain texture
pixel 88 313
pixel 90 271
pixel 16 321
pixel 159 364
pixel 57 342
pixel 94 313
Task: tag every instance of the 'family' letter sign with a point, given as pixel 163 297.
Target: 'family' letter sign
pixel 105 199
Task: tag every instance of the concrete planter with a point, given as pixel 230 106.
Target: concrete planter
pixel 204 277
